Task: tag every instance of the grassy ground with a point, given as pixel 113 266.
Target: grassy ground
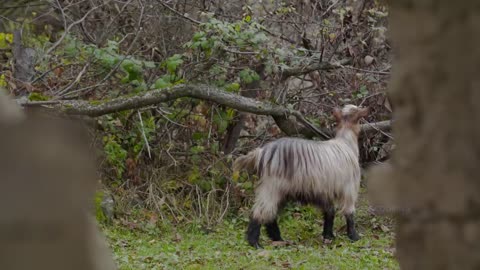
pixel 189 247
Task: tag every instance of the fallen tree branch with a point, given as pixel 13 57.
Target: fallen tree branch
pixel 382 126
pixel 280 114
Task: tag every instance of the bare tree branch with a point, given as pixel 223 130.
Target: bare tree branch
pixel 200 91
pixel 178 13
pixel 67 30
pixel 313 67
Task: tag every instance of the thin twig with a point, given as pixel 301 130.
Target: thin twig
pixel 329 8
pixel 366 70
pixel 240 52
pixel 173 159
pixel 114 69
pixel 77 79
pixel 374 126
pixel 144 135
pixel 76 93
pixel 178 13
pixel 67 30
pixel 168 119
pixel 307 123
pixel 23 6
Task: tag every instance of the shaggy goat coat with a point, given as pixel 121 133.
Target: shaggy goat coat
pixel 310 171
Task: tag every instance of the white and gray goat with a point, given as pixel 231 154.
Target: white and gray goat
pixel 325 173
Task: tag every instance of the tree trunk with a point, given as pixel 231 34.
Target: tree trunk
pixel 434 170
pixel 46 195
pixel 235 127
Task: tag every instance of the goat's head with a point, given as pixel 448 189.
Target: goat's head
pixel 349 116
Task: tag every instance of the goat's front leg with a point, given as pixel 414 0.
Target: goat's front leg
pixel 328 220
pixel 351 231
pixel 253 233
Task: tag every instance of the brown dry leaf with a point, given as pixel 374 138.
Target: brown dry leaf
pixel 129 224
pixel 12 85
pixel 29 87
pixel 327 241
pixel 279 243
pixel 153 219
pixel 264 253
pixel 385 102
pixel 286 264
pixel 117 123
pixel 274 130
pixel 177 238
pixel 58 71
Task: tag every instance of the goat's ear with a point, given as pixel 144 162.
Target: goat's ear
pixel 338 114
pixel 362 113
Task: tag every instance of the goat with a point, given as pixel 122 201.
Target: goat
pixel 325 174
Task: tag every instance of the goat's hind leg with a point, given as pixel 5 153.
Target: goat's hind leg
pixel 351 231
pixel 273 231
pixel 264 212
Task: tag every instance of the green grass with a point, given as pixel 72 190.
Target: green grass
pixel 189 247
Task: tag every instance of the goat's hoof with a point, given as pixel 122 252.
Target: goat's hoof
pixel 354 237
pixel 328 237
pixel 256 245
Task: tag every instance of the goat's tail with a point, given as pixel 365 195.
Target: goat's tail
pixel 247 162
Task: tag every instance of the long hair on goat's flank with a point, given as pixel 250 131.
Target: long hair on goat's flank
pixel 287 156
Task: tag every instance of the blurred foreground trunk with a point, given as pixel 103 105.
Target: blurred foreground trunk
pixel 434 172
pixel 48 182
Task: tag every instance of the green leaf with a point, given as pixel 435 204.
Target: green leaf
pixel 259 37
pixel 35 96
pixel 161 83
pixel 149 64
pixel 198 35
pixel 248 76
pixel 198 136
pixel 198 149
pixel 134 71
pixel 71 49
pixel 233 87
pixel 173 62
pixel 363 90
pixel 221 120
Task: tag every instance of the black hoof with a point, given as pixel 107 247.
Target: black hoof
pixel 328 236
pixel 354 237
pixel 256 245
